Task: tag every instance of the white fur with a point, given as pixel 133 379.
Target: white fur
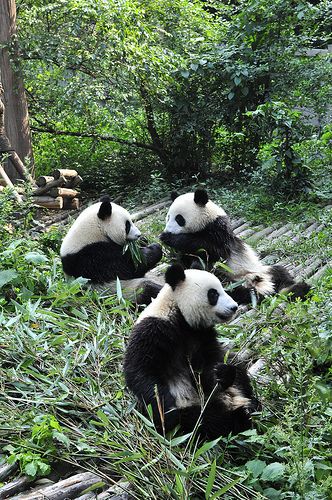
pixel 234 399
pixel 89 228
pixel 191 298
pixel 183 392
pixel 196 216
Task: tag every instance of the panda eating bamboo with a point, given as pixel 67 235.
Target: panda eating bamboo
pixel 200 231
pixel 175 363
pixel 95 248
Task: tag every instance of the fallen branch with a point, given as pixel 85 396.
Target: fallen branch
pixel 10 489
pixel 10 184
pixel 67 488
pixel 6 470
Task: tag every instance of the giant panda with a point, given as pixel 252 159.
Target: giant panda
pixel 94 248
pixel 175 363
pixel 201 231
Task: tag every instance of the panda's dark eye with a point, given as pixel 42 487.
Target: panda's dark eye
pixel 128 225
pixel 180 220
pixel 213 296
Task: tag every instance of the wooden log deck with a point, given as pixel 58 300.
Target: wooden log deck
pixel 19 487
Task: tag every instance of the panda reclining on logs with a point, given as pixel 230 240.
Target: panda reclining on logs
pixel 94 248
pixel 201 231
pixel 175 363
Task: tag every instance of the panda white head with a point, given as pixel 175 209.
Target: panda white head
pixel 191 212
pixel 100 222
pixel 198 295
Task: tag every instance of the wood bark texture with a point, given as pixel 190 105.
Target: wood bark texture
pixel 16 119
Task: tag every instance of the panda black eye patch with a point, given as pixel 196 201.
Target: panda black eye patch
pixel 180 220
pixel 213 296
pixel 128 225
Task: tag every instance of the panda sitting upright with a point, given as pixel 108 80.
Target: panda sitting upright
pixel 201 231
pixel 175 363
pixel 94 248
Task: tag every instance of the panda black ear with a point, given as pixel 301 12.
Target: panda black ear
pixel 174 195
pixel 174 274
pixel 201 197
pixel 105 209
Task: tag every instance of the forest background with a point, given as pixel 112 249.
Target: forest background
pixel 141 97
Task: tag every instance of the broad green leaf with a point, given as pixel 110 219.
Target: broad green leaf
pixel 35 257
pixel 31 469
pixel 256 467
pixel 7 276
pixel 273 471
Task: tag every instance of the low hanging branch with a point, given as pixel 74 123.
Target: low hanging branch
pixel 137 144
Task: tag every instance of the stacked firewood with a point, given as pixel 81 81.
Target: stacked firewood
pixel 59 190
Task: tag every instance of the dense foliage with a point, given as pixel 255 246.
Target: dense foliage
pixel 62 390
pixel 180 88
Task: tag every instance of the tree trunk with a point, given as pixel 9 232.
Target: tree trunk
pixel 17 123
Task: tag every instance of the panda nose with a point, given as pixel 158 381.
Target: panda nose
pixel 234 308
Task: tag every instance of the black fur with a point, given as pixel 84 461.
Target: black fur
pixel 105 209
pixel 160 350
pixel 149 291
pixel 201 197
pixel 105 261
pixel 215 242
pixel 174 195
pixel 174 275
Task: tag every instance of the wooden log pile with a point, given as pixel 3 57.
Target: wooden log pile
pixel 59 190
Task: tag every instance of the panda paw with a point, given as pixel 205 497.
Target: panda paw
pixel 225 375
pixel 157 250
pixel 252 280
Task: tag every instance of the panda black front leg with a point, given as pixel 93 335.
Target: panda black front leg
pixel 152 255
pixel 225 375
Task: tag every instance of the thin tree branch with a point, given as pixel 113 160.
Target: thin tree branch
pixel 99 137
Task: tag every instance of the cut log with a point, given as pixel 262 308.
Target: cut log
pixel 74 182
pixel 71 203
pixel 65 172
pixel 64 192
pixel 67 488
pixel 43 180
pixel 61 181
pixel 10 184
pixel 6 470
pixel 48 202
pixel 10 489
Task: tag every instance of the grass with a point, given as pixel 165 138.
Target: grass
pixel 62 392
